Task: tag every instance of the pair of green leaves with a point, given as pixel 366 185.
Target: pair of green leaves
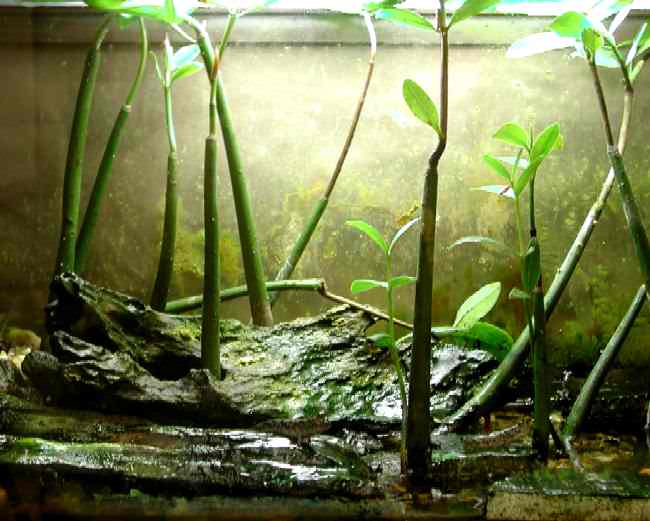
pixel 591 39
pixel 518 171
pixel 468 326
pixel 387 11
pixel 177 64
pixel 166 11
pixel 362 285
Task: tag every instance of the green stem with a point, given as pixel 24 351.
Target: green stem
pixel 65 258
pixel 418 421
pixel 251 254
pixel 191 303
pixel 397 362
pixel 210 341
pixel 589 390
pixel 195 302
pixel 108 159
pixel 541 400
pixel 542 403
pixel 630 207
pixel 303 239
pixel 301 243
pixel 165 270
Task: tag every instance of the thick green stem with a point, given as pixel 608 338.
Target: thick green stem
pixel 108 159
pixel 632 214
pixel 541 384
pixel 251 255
pixel 303 239
pixel 542 396
pixel 589 390
pixel 65 258
pixel 165 270
pixel 418 421
pixel 210 340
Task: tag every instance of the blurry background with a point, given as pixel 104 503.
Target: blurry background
pixel 293 82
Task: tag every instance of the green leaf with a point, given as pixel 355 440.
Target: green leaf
pixel 381 340
pixel 477 305
pixel 490 338
pixel 497 167
pixel 167 11
pixel 639 44
pixel 471 8
pixel 386 4
pixel 547 140
pixel 404 17
pixel 361 285
pixel 186 70
pixel 591 41
pixel 513 134
pixel 524 178
pixel 157 67
pixel 400 280
pixel 484 241
pixel 184 55
pixel 401 232
pixel 537 44
pixel 371 232
pixel 570 25
pixel 532 267
pixel 421 105
pixel 518 294
pixel 502 190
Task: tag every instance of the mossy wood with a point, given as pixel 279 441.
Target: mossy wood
pixel 311 366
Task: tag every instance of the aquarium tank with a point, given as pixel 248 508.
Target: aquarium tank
pixel 324 259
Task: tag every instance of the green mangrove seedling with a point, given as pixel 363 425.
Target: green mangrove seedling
pixel 176 64
pixel 519 172
pixel 387 339
pixel 530 45
pixel 418 417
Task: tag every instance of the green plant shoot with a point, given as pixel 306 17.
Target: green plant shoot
pixel 387 339
pixel 176 65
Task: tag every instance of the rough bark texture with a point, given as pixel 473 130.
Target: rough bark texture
pixel 318 366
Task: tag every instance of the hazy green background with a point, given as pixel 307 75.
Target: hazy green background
pixel 292 98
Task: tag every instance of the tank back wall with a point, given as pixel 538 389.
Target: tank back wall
pixel 293 81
